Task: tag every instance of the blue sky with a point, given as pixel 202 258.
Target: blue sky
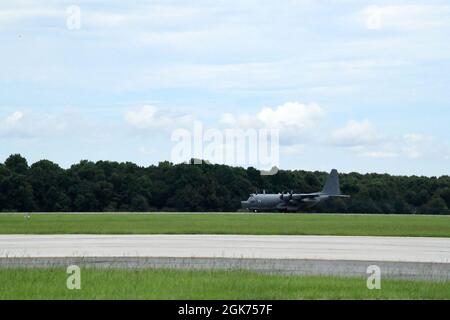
pixel 365 84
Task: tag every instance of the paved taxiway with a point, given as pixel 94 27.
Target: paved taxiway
pixel 409 258
pixel 398 249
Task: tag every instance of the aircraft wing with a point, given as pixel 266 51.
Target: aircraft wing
pixel 339 196
pixel 300 196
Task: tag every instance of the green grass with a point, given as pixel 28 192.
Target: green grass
pixel 167 284
pixel 260 224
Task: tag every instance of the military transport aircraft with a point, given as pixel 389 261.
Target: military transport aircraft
pixel 294 201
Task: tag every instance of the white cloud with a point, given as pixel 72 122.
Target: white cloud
pixel 289 116
pixel 14 118
pixel 20 124
pixel 244 121
pixel 293 120
pixel 211 46
pixel 405 16
pixel 292 150
pixel 106 19
pixel 292 115
pixel 416 137
pixel 13 14
pixel 415 145
pixel 378 154
pixel 362 140
pixel 143 117
pixel 356 134
pixel 150 117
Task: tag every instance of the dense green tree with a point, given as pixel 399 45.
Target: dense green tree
pixel 45 178
pixel 445 195
pixel 113 186
pixel 139 204
pixel 16 193
pixel 435 206
pixel 17 164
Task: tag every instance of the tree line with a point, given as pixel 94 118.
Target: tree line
pixel 111 186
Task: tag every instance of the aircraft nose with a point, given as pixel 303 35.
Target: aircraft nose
pixel 245 204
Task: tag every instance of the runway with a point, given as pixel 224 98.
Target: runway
pixel 435 250
pixel 424 258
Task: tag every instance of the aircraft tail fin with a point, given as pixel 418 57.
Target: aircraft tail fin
pixel 332 187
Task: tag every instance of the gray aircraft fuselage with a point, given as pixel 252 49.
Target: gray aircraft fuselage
pixel 294 201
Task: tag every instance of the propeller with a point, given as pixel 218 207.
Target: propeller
pixel 283 195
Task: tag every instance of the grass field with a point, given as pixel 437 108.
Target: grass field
pixel 260 224
pixel 166 284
